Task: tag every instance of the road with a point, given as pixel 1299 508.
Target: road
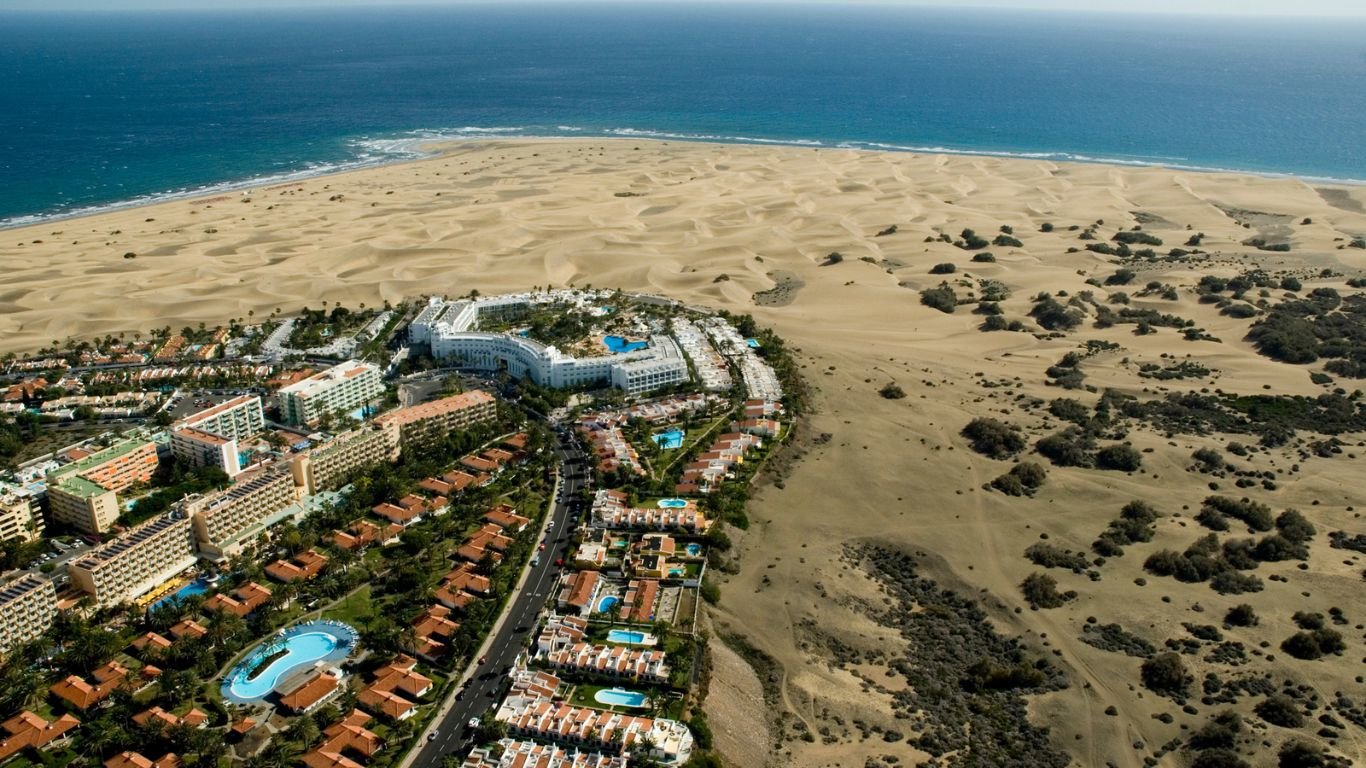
pixel 484 683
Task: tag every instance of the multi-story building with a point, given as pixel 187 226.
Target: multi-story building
pixel 450 330
pixel 211 436
pixel 332 463
pixel 27 607
pixel 136 561
pixel 83 494
pixel 225 521
pixel 512 753
pixel 420 423
pixel 536 716
pixel 19 514
pixel 344 387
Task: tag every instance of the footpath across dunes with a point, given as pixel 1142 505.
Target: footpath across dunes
pixel 884 495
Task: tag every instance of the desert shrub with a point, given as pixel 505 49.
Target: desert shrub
pixel 1230 582
pixel 944 268
pixel 984 258
pixel 1120 457
pixel 986 675
pixel 1212 519
pixel 995 323
pixel 1307 620
pixel 1221 732
pixel 1219 758
pixel 1255 515
pixel 1050 556
pixel 1297 753
pixel 1068 448
pixel 1068 409
pixel 1209 459
pixel 971 241
pixel 1291 284
pixel 1114 638
pixel 1295 527
pixel 1053 316
pixel 1166 675
pixel 1004 240
pixel 1121 277
pixel 993 438
pixel 1136 237
pixel 1241 615
pixel 1279 709
pixel 892 391
pixel 1277 548
pixel 1314 644
pixel 940 297
pixel 1041 591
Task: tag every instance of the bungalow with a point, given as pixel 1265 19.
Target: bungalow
pixel 358 535
pixel 398 515
pixel 152 642
pixel 506 517
pixel 578 591
pixel 195 718
pixel 136 760
pixel 432 632
pixel 188 628
pixel 610 661
pixel 394 684
pixel 82 695
pixel 313 691
pixel 517 442
pixel 757 426
pixel 639 603
pixel 499 456
pixel 657 544
pixel 513 752
pixel 248 598
pixel 651 566
pixel 28 729
pixel 304 565
pixel 479 464
pixel 345 738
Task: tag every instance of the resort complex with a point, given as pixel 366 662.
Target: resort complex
pixel 335 544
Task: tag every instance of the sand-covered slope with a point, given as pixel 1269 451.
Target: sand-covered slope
pixel 723 225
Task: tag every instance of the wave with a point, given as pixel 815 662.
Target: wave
pixel 416 144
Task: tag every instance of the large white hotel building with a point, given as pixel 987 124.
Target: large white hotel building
pixel 450 329
pixel 341 388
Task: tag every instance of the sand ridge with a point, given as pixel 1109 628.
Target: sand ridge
pixel 718 224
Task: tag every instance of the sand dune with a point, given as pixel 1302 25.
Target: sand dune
pixel 719 224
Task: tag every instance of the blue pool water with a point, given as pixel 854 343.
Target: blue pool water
pixel 672 503
pixel 626 636
pixel 605 604
pixel 303 645
pixel 693 550
pixel 620 345
pixel 196 587
pixel 752 343
pixel 669 440
pixel 620 697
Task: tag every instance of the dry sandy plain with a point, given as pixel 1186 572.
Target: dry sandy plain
pixel 716 225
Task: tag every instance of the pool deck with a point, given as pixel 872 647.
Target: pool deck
pixel 291 676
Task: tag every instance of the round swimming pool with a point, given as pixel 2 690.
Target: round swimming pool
pixel 294 648
pixel 672 503
pixel 605 604
pixel 620 697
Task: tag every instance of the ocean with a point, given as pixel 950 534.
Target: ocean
pixel 101 109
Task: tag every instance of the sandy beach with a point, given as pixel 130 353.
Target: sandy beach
pixel 749 229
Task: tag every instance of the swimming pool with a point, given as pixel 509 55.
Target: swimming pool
pixel 302 644
pixel 671 503
pixel 197 587
pixel 669 440
pixel 619 345
pixel 752 343
pixel 605 604
pixel 629 637
pixel 620 697
pixel 693 549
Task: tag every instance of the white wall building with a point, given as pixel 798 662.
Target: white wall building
pixel 342 388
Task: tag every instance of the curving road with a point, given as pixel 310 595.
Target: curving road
pixel 483 684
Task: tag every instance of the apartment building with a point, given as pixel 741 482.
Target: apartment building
pixel 428 421
pixel 512 753
pixel 540 717
pixel 84 493
pixel 27 607
pixel 331 464
pixel 136 561
pixel 342 388
pixel 211 436
pixel 224 522
pixel 20 517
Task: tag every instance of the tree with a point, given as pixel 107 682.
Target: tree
pixel 892 391
pixel 1279 709
pixel 993 438
pixel 1041 591
pixel 1121 457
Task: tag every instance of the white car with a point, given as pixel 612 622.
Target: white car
pixel 473 723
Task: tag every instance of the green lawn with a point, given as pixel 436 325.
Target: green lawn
pixel 352 609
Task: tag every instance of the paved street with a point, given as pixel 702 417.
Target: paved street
pixel 484 683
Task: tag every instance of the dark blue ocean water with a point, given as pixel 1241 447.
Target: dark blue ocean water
pixel 101 108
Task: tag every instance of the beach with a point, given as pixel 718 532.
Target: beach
pixel 750 229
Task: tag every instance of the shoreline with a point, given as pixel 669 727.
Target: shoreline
pixel 418 148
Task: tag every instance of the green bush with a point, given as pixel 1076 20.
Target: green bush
pixel 1166 674
pixel 941 298
pixel 943 268
pixel 1041 591
pixel 1279 709
pixel 993 438
pixel 1120 457
pixel 984 258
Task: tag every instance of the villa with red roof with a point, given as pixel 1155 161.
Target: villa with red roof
pixel 80 694
pixel 28 729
